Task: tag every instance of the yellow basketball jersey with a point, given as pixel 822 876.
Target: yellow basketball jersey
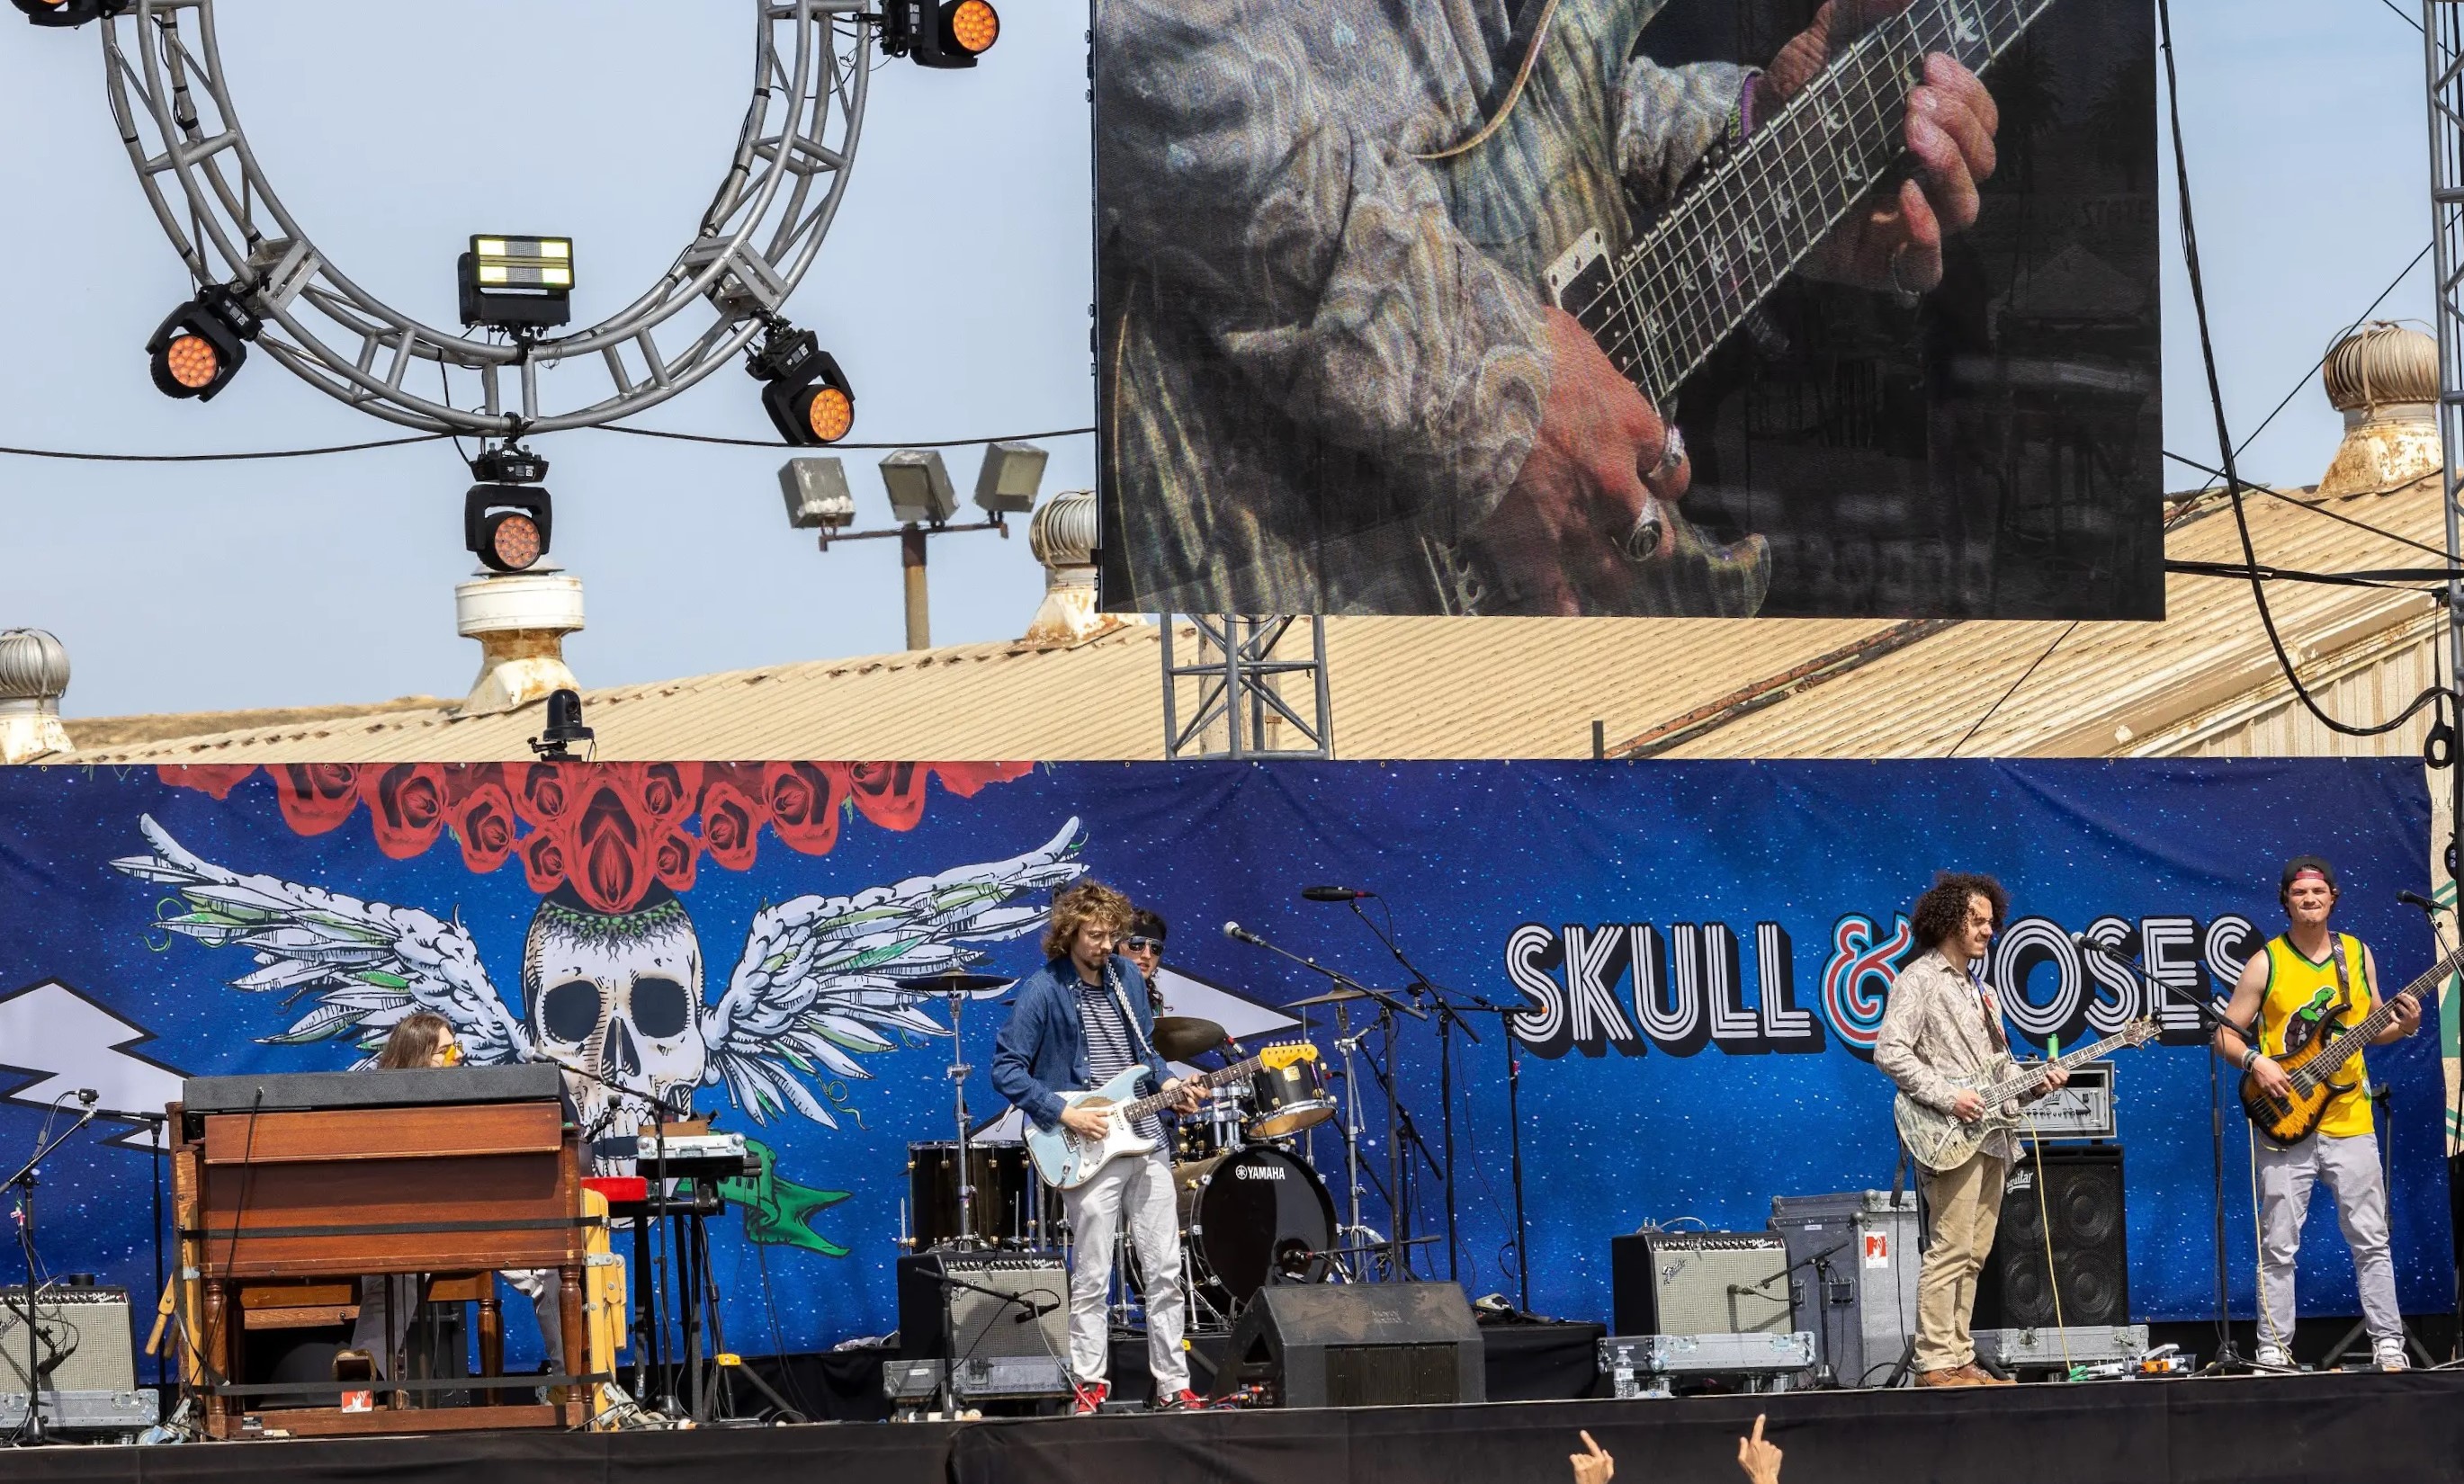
pixel 2300 991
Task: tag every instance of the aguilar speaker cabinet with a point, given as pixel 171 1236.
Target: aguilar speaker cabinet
pixel 2082 1195
pixel 1356 1345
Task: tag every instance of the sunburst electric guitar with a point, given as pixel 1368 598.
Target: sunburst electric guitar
pixel 1067 1159
pixel 2317 1051
pixel 1939 1140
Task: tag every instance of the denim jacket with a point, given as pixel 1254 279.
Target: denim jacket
pixel 1042 1052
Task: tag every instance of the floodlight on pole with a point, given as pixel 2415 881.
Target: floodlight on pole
pixel 1011 474
pixel 922 498
pixel 920 490
pixel 817 496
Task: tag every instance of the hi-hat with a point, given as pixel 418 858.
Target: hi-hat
pixel 955 981
pixel 1180 1037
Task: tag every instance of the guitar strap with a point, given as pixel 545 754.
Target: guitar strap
pixel 2343 979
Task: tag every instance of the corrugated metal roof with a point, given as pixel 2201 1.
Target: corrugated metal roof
pixel 2096 687
pixel 1520 688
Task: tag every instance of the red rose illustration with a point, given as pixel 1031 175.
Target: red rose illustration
pixel 890 794
pixel 483 822
pixel 216 780
pixel 543 856
pixel 545 792
pixel 668 791
pixel 803 803
pixel 609 862
pixel 674 857
pixel 730 824
pixel 968 779
pixel 316 797
pixel 406 806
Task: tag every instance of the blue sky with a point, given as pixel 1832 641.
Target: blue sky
pixel 954 287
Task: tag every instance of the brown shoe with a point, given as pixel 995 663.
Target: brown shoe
pixel 1979 1376
pixel 1953 1376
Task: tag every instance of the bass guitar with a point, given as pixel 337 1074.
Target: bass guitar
pixel 1941 1141
pixel 2314 1055
pixel 1067 1159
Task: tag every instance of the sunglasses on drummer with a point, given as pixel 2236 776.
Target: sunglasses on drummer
pixel 1142 944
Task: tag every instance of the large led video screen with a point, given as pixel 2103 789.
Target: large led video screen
pixel 1700 308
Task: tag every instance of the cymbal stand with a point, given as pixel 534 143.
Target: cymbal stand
pixel 1346 1045
pixel 1449 1018
pixel 1401 1131
pixel 959 1069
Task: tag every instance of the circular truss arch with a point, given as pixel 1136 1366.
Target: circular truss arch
pixel 756 241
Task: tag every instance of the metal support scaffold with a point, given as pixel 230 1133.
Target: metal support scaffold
pixel 1241 683
pixel 2442 46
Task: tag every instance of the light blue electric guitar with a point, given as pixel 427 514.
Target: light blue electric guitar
pixel 1067 1159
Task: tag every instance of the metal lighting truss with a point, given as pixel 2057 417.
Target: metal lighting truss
pixel 2442 27
pixel 1238 681
pixel 754 245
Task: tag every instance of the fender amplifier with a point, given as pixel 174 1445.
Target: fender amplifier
pixel 81 1339
pixel 1000 1318
pixel 1700 1283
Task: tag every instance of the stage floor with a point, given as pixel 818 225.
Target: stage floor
pixel 2306 1430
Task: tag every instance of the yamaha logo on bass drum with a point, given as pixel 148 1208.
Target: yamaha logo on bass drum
pixel 1258 1171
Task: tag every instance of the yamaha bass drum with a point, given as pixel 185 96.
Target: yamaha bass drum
pixel 1253 1216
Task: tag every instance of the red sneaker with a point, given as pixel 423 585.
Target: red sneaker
pixel 1090 1397
pixel 1184 1400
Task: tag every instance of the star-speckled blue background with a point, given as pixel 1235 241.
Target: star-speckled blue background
pixel 1464 853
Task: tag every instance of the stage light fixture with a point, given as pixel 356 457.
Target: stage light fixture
pixel 507 520
pixel 817 496
pixel 952 33
pixel 517 284
pixel 202 345
pixel 69 12
pixel 1011 474
pixel 920 491
pixel 808 398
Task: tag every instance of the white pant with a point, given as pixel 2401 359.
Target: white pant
pixel 397 1298
pixel 1144 1185
pixel 2350 1166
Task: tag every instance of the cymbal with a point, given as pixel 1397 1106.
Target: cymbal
pixel 1329 997
pixel 1183 1036
pixel 957 981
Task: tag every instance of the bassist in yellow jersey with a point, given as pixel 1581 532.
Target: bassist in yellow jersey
pixel 2306 983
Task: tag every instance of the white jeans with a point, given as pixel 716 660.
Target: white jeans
pixel 2350 1166
pixel 1144 1185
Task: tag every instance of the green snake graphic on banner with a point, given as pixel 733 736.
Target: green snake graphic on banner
pixel 777 1209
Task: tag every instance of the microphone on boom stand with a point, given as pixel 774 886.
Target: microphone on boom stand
pixel 1334 893
pixel 2416 899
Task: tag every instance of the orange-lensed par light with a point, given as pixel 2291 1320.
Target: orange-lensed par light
pixel 197 351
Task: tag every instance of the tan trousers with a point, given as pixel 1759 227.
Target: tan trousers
pixel 1963 1206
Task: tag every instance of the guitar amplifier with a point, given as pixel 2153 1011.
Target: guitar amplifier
pixel 991 1307
pixel 81 1340
pixel 1700 1283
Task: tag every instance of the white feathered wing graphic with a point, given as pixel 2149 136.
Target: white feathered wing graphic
pixel 818 985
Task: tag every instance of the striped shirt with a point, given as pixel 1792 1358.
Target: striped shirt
pixel 1111 1045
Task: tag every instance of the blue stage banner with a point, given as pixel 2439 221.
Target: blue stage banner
pixel 1699 954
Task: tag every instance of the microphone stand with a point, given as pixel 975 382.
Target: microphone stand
pixel 2455 1114
pixel 1448 1018
pixel 31 1430
pixel 156 1123
pixel 2228 1360
pixel 657 1204
pixel 1388 1007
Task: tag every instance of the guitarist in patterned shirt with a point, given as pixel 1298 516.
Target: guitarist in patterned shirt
pixel 2308 981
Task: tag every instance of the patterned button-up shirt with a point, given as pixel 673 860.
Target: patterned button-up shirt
pixel 1323 347
pixel 1934 1024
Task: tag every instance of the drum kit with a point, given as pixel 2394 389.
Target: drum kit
pixel 1253 1208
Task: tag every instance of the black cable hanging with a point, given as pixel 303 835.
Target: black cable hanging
pixel 2430 697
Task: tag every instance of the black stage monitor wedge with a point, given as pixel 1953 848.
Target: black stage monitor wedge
pixel 2083 1195
pixel 295 1092
pixel 1356 1345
